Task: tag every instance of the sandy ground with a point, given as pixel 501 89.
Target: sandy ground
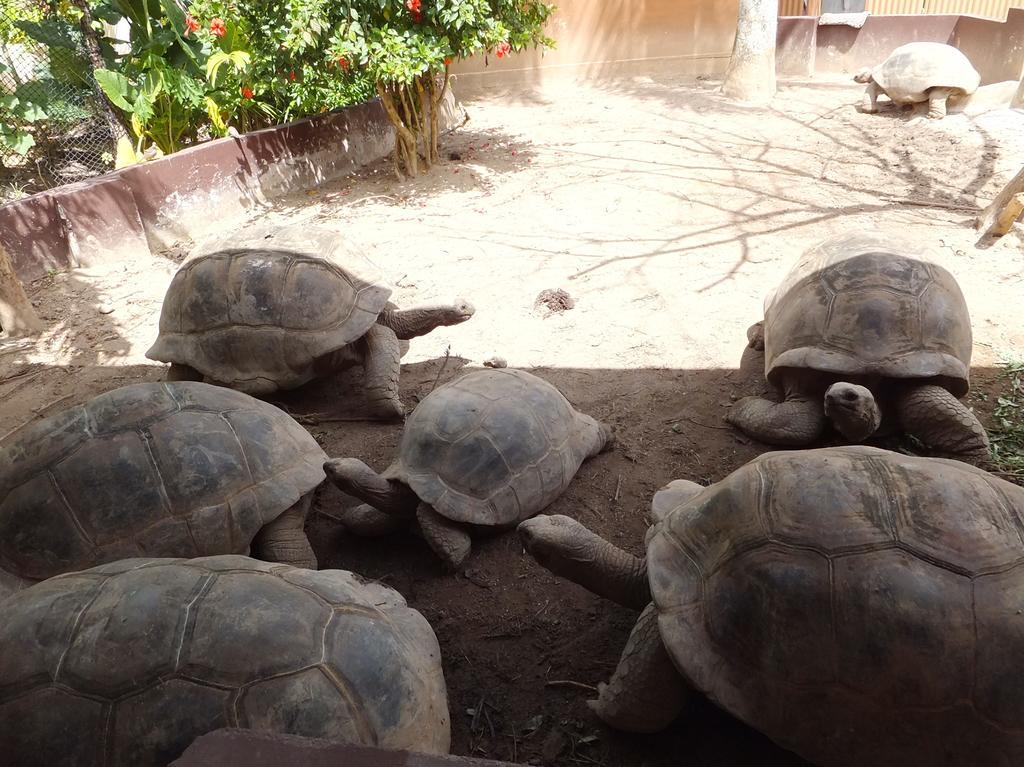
pixel 667 213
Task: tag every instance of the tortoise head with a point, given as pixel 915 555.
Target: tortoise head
pixel 852 410
pixel 557 542
pixel 863 76
pixel 460 311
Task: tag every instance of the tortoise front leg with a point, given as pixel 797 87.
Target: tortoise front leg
pixel 646 692
pixel 796 421
pixel 381 369
pixel 943 424
pixel 937 102
pixel 870 102
pixel 284 539
pixel 178 372
pixel 449 540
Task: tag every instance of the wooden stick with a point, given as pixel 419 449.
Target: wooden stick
pixel 990 216
pixel 1010 214
pixel 570 683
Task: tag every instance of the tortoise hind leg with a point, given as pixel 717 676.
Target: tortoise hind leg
pixel 796 421
pixel 382 367
pixel 646 692
pixel 449 540
pixel 178 372
pixel 284 539
pixel 943 424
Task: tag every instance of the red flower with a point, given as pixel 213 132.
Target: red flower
pixel 191 25
pixel 291 75
pixel 246 92
pixel 447 62
pixel 218 28
pixel 503 49
pixel 343 63
pixel 413 6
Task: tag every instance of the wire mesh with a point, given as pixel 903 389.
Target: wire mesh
pixel 52 128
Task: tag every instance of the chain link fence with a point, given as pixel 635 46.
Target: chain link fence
pixel 52 129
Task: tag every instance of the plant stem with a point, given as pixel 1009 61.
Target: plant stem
pixel 403 136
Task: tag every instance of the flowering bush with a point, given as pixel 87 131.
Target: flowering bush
pixel 406 47
pixel 229 62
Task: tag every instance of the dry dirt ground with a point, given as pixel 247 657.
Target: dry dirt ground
pixel 666 213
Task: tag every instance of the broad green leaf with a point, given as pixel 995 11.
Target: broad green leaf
pixel 115 86
pixel 213 112
pixel 214 63
pixel 31 112
pixel 16 140
pixel 137 128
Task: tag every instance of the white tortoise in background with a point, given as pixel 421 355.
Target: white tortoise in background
pixel 866 332
pixel 918 72
pixel 156 469
pixel 858 606
pixel 127 663
pixel 485 451
pixel 284 305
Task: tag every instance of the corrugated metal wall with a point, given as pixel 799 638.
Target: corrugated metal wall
pixel 993 9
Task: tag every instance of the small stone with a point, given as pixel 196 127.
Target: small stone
pixel 495 362
pixel 106 308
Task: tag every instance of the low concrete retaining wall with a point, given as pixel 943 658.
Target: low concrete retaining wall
pixel 190 193
pixel 996 48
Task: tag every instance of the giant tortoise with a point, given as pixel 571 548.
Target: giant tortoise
pixel 127 663
pixel 156 469
pixel 284 305
pixel 918 72
pixel 484 451
pixel 866 332
pixel 858 606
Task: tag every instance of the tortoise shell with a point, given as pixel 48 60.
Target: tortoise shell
pixel 128 663
pixel 493 447
pixel 913 68
pixel 858 606
pixel 172 469
pixel 256 316
pixel 858 305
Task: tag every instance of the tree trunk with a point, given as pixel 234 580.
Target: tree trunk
pixel 17 317
pixel 118 128
pixel 751 73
